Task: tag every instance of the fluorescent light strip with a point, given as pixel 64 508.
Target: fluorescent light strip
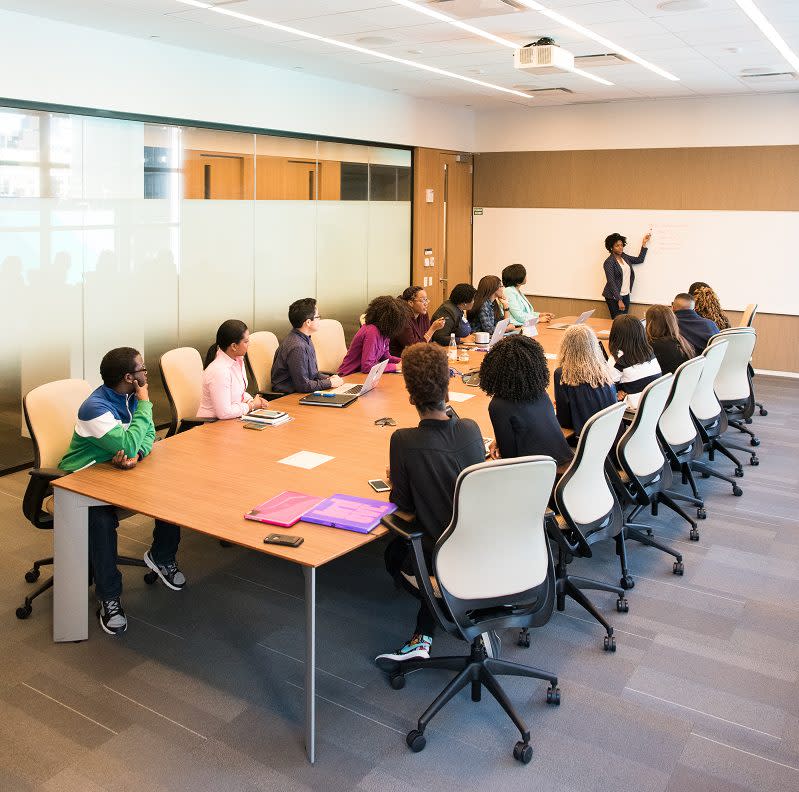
pixel 535 6
pixel 768 30
pixel 427 11
pixel 345 45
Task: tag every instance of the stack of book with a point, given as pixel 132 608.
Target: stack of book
pixel 268 417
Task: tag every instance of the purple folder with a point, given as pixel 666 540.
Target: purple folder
pixel 349 512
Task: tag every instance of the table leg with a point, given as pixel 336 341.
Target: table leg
pixel 70 565
pixel 310 662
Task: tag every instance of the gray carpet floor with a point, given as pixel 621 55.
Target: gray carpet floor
pixel 204 691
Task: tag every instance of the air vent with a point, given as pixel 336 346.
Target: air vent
pixel 770 77
pixel 472 9
pixel 604 59
pixel 542 91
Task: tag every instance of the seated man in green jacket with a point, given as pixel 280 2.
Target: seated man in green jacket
pixel 115 424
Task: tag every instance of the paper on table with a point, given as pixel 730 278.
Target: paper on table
pixel 306 459
pixel 454 396
pixel 550 356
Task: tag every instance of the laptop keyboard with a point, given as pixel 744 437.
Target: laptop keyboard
pixel 353 391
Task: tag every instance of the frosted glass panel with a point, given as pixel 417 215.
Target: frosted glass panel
pixel 216 268
pixel 389 268
pixel 285 260
pixel 341 258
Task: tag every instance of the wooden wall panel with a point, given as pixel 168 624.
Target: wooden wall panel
pixel 777 346
pixel 760 178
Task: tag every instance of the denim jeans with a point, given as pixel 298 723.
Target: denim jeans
pixel 103 523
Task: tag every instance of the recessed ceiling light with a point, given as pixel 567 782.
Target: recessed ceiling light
pixel 155 36
pixel 733 50
pixel 768 30
pixel 427 11
pixel 344 45
pixel 415 52
pixel 584 31
pixel 476 71
pixel 375 41
pixel 683 5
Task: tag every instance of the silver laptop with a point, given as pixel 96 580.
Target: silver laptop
pixel 581 319
pixel 372 378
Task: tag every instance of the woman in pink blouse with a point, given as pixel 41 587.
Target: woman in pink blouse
pixel 385 318
pixel 225 378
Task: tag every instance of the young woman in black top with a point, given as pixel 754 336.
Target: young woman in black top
pixel 663 334
pixel 583 385
pixel 425 462
pixel 515 374
pixel 632 363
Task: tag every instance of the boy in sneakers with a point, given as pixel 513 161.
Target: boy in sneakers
pixel 424 465
pixel 115 424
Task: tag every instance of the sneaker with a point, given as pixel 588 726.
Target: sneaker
pixel 112 617
pixel 492 643
pixel 169 573
pixel 418 648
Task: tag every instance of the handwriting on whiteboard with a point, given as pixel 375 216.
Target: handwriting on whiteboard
pixel 669 236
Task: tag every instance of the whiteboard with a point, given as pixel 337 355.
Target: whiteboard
pixel 745 256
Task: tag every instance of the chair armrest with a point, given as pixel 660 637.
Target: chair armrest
pixel 46 474
pixel 271 395
pixel 39 487
pixel 556 534
pixel 190 423
pixel 401 527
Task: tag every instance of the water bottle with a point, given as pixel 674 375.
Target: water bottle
pixel 452 352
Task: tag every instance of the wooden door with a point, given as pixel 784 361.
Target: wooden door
pixel 455 222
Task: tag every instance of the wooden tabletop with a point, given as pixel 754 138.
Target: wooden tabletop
pixel 207 478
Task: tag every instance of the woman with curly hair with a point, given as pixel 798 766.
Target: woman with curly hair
pixel 632 363
pixel 706 304
pixel 385 318
pixel 418 328
pixel 663 334
pixel 425 462
pixel 515 374
pixel 583 385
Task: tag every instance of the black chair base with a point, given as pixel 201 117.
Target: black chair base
pixel 707 471
pixel 643 534
pixel 479 671
pixel 32 575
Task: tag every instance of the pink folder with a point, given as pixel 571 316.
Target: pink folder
pixel 349 512
pixel 284 509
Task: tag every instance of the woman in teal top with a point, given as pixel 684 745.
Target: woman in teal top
pixel 519 306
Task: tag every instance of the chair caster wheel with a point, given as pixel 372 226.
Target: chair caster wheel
pixel 737 491
pixel 763 411
pixel 754 461
pixel 397 681
pixel 694 535
pixel 678 568
pixel 24 612
pixel 754 442
pixel 747 420
pixel 523 639
pixel 416 740
pixel 627 582
pixel 622 606
pixel 609 644
pixel 739 472
pixel 701 514
pixel 705 475
pixel 150 578
pixel 32 575
pixel 553 696
pixel 523 752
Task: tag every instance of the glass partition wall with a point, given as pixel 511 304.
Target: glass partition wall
pixel 123 233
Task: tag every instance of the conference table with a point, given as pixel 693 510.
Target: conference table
pixel 206 479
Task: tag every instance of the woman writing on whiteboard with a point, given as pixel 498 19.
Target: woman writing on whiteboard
pixel 619 274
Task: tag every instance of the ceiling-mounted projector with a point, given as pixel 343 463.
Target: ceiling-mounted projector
pixel 543 57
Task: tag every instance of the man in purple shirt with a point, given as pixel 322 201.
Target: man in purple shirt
pixel 294 369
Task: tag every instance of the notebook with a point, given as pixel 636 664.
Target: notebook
pixel 284 509
pixel 329 399
pixel 269 417
pixel 349 512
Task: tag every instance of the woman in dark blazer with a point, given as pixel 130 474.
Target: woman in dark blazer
pixel 619 273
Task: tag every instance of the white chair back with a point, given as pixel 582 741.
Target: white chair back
pixel 676 424
pixel 748 315
pixel 584 493
pixel 640 446
pixel 51 411
pixel 472 563
pixel 732 380
pixel 260 355
pixel 329 344
pixel 362 319
pixel 704 403
pixel 182 372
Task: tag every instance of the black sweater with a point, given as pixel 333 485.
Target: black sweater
pixel 669 354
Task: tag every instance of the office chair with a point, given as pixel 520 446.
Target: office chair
pixel 711 419
pixel 589 511
pixel 646 475
pixel 680 437
pixel 330 345
pixel 260 356
pixel 50 414
pixel 182 375
pixel 733 383
pixel 486 581
pixel 747 318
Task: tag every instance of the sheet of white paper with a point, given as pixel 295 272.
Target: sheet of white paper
pixel 550 356
pixel 454 396
pixel 306 459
